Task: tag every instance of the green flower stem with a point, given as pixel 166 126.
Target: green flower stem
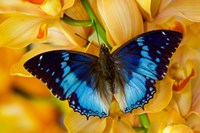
pixel 139 129
pixel 96 25
pixel 74 22
pixel 144 120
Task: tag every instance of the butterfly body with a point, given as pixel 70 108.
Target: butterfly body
pixel 89 82
pixel 107 67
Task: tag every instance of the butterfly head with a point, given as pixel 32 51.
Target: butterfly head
pixel 104 50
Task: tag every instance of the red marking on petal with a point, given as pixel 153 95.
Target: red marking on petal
pixel 42 31
pixel 177 26
pixel 37 2
pixel 182 85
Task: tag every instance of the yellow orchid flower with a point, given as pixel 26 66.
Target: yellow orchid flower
pixel 27 21
pixel 186 89
pixel 168 121
pixel 183 69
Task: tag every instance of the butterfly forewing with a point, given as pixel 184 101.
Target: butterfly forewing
pixel 73 76
pixel 139 63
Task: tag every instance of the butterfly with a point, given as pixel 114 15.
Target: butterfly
pixel 128 74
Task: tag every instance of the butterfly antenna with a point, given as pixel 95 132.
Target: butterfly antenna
pixel 97 32
pixel 86 40
pixel 83 39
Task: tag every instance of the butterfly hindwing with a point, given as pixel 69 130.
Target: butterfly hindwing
pixel 71 75
pixel 139 63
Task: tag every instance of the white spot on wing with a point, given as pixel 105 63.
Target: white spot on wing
pixel 163 33
pixel 40 57
pixel 140 39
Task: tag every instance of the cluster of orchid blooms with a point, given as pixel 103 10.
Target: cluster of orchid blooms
pixel 36 26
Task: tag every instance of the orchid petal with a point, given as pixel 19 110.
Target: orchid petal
pixel 116 15
pixel 69 31
pixel 160 120
pixel 54 37
pixel 185 8
pixel 120 126
pixel 77 11
pixel 196 97
pixel 164 3
pixel 192 35
pixel 148 8
pixel 115 109
pixel 194 121
pixel 67 4
pixel 19 31
pixel 179 128
pixel 173 105
pixel 109 123
pixel 52 7
pixel 184 100
pixel 160 99
pixel 191 59
pixel 178 73
pixel 92 49
pixel 77 123
pixel 15 6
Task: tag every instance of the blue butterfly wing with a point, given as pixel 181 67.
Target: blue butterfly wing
pixel 140 62
pixel 73 76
